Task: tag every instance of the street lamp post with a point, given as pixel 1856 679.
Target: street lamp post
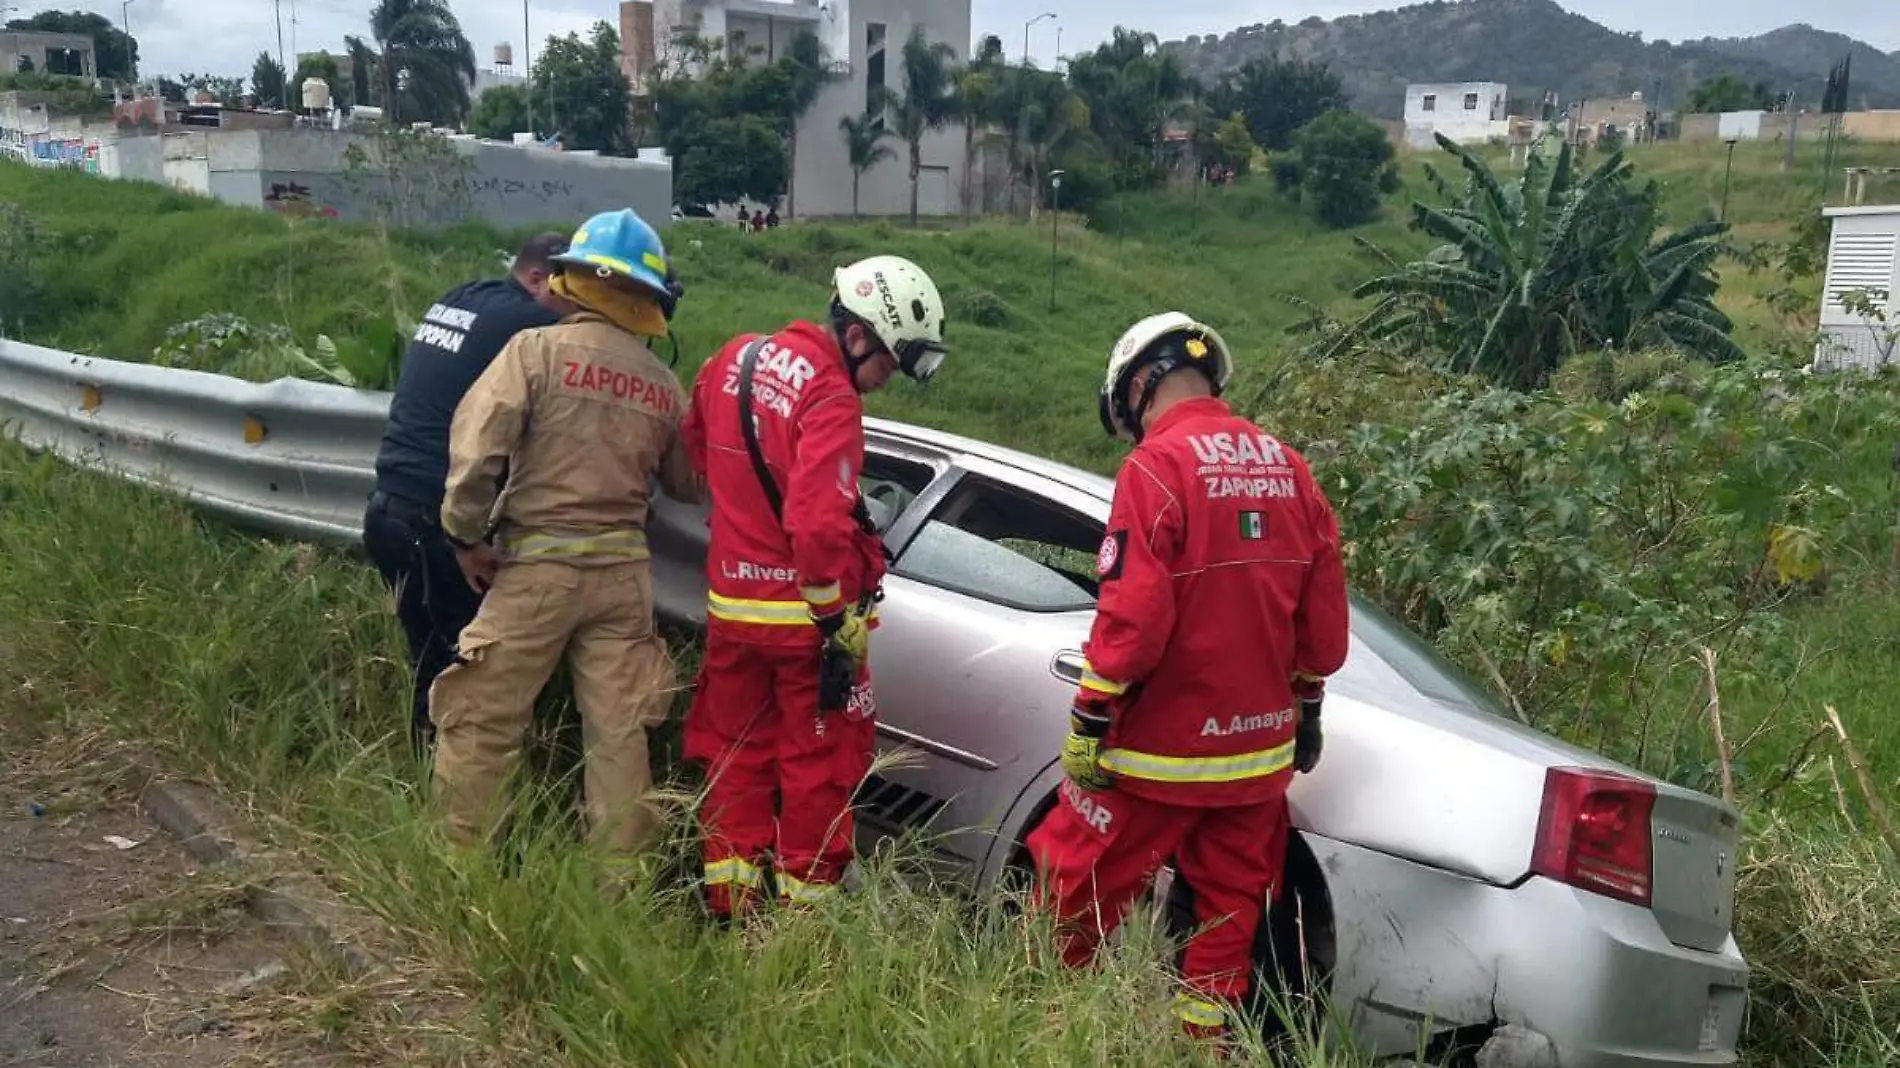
pixel 527 68
pixel 1055 222
pixel 1026 25
pixel 1726 173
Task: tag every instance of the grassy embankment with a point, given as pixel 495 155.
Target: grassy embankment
pixel 275 669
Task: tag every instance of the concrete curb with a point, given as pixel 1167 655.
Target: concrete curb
pixel 294 904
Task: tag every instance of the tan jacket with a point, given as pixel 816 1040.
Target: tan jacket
pixel 556 445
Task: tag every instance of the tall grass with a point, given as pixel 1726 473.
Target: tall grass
pixel 268 669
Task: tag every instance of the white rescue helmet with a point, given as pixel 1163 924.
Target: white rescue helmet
pixel 1150 349
pixel 899 302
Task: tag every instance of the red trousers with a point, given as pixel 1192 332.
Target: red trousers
pixel 779 777
pixel 1097 851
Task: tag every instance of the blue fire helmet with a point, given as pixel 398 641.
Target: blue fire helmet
pixel 620 243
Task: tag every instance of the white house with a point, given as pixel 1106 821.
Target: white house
pixel 864 40
pixel 1863 254
pixel 1740 125
pixel 1466 112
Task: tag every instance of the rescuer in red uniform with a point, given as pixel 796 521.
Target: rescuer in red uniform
pixel 1222 610
pixel 783 703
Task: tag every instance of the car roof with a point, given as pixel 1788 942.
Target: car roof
pixel 1073 477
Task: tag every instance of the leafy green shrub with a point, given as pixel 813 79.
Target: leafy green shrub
pixel 263 352
pixel 1287 175
pixel 980 307
pixel 230 345
pixel 21 250
pixel 1560 543
pixel 1343 159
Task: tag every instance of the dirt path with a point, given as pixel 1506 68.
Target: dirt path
pixel 116 948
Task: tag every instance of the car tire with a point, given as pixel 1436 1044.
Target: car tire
pixel 1294 948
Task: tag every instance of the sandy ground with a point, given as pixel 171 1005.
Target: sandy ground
pixel 115 954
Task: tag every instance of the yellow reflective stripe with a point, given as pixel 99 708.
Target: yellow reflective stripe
pixel 610 262
pixel 1092 681
pixel 800 892
pixel 769 613
pixel 766 613
pixel 653 262
pixel 1197 1012
pixel 822 594
pixel 1156 768
pixel 732 870
pixel 628 543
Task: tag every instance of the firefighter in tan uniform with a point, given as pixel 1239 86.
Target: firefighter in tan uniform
pixel 552 456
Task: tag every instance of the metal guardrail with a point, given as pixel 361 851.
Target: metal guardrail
pixel 292 457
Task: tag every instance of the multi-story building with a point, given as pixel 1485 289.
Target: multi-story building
pixel 48 53
pixel 864 42
pixel 1465 112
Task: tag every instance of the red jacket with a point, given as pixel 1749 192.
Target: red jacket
pixel 1220 579
pixel 764 577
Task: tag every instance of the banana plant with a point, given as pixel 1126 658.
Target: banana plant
pixel 1532 272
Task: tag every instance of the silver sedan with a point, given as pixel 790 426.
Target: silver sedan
pixel 1454 879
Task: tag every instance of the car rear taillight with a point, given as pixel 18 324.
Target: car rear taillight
pixel 1594 833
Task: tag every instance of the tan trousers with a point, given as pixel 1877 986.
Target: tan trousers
pixel 602 617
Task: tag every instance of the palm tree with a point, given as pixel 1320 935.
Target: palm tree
pixel 1049 117
pixel 928 104
pixel 426 64
pixel 979 88
pixel 1532 273
pixel 864 146
pixel 1133 89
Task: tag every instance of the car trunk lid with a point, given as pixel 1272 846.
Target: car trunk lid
pixel 1693 840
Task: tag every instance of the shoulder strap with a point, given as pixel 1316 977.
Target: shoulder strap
pixel 748 425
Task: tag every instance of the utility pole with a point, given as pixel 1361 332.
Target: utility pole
pixel 1726 173
pixel 278 6
pixel 1794 122
pixel 527 67
pixel 131 51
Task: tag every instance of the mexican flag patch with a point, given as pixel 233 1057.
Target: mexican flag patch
pixel 1253 526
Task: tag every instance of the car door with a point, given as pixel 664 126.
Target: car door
pixel 992 583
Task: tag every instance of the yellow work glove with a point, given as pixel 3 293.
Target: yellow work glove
pixel 1082 750
pixel 848 631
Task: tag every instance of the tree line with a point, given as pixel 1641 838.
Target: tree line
pixel 1125 116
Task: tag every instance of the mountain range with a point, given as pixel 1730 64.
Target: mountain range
pixel 1535 46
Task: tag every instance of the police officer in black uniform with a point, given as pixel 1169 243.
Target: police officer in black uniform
pixel 460 335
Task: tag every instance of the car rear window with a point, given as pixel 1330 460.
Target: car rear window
pixel 1399 658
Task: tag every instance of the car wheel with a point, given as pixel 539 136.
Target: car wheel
pixel 1294 949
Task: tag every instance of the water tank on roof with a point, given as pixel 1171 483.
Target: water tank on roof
pixel 504 55
pixel 316 94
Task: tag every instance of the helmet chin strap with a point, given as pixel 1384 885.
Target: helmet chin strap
pixel 841 328
pixel 1150 378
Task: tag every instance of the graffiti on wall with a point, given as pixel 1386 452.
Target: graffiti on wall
pixel 544 190
pixel 295 199
pixel 43 150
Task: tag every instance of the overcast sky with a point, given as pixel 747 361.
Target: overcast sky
pixel 179 36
